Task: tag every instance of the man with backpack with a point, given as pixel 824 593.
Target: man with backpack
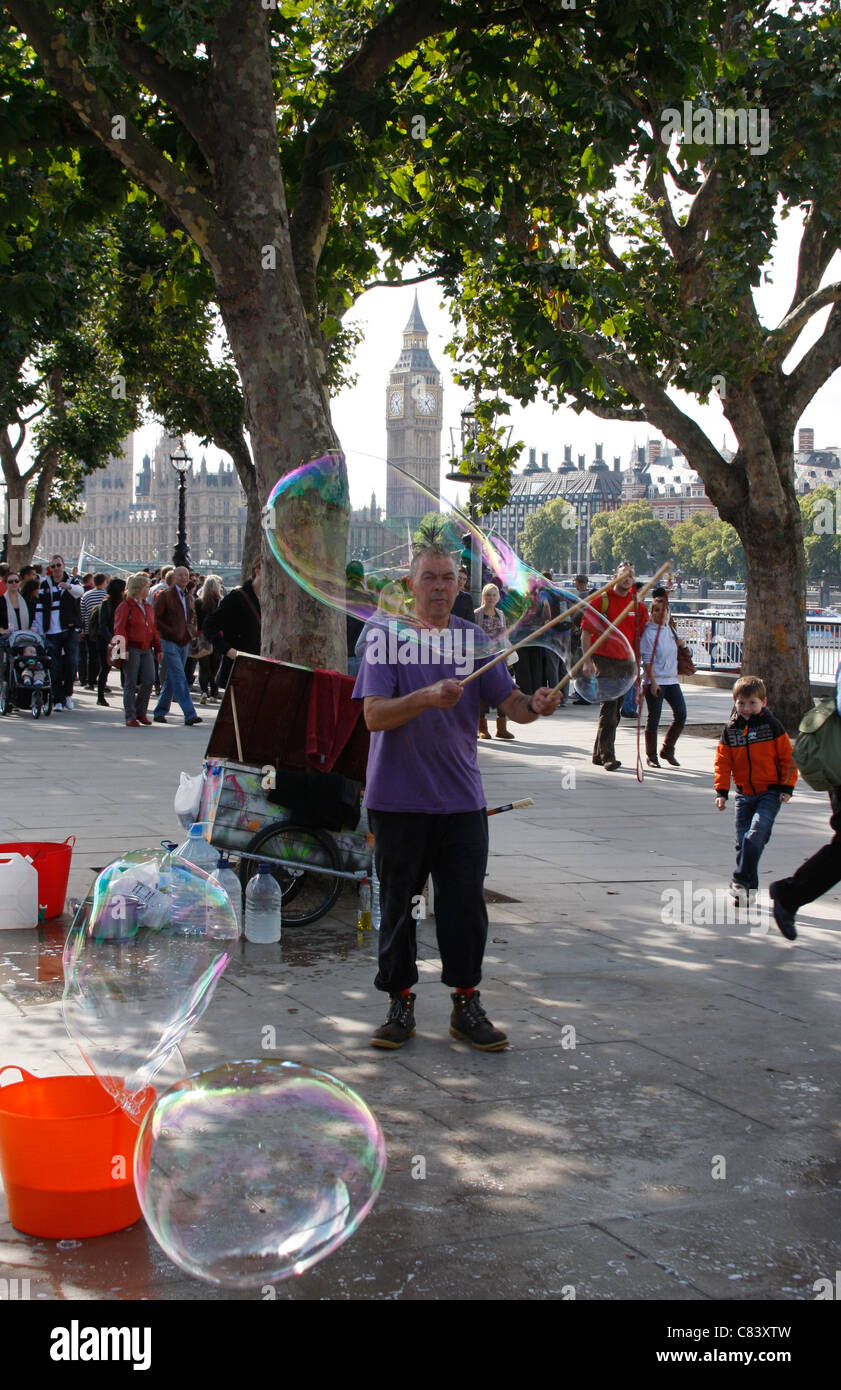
pixel 820 873
pixel 88 603
pixel 611 655
pixel 57 620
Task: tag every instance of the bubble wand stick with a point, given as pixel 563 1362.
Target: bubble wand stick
pixel 576 607
pixel 611 627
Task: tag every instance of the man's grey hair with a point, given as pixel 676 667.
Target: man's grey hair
pixel 438 552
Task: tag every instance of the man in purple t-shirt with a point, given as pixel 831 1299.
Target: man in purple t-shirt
pixel 424 796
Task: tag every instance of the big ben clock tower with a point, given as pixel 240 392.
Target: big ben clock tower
pixel 413 424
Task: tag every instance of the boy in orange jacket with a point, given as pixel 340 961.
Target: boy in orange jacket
pixel 755 750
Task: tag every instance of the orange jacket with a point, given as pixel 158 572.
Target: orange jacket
pixel 756 753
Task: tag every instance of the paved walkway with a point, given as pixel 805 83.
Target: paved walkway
pixel 686 1145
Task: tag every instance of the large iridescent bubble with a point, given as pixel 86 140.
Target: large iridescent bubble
pixel 255 1170
pixel 141 961
pixel 303 523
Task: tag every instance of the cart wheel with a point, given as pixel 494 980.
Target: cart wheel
pixel 4 697
pixel 306 896
pixel 36 704
pixel 48 704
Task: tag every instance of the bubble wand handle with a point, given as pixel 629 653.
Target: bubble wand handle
pixel 611 627
pixel 562 617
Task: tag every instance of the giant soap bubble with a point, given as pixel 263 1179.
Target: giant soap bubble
pixel 255 1170
pixel 141 962
pixel 303 519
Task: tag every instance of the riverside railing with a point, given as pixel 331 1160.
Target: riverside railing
pixel 717 642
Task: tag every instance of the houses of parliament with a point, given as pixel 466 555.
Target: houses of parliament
pixel 130 517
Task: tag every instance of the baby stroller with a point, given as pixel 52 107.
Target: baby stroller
pixel 25 687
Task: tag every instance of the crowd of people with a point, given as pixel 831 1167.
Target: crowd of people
pixel 169 630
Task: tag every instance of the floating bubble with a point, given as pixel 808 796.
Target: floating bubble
pixel 255 1170
pixel 141 962
pixel 304 519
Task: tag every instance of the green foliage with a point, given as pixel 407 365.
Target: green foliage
pixel 439 529
pixel 549 536
pixel 820 511
pixel 706 547
pixel 630 533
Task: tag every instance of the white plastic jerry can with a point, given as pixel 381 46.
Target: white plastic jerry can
pixel 18 892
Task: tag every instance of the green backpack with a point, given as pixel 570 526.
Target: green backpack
pixel 817 748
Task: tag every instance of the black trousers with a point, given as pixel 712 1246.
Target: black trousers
pixel 820 873
pixel 408 847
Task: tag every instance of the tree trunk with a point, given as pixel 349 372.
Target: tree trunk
pixel 287 413
pixel 775 614
pixel 25 519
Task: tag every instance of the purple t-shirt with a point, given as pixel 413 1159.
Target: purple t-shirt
pixel 429 765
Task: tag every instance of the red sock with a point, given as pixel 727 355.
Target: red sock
pixel 404 993
pixel 467 993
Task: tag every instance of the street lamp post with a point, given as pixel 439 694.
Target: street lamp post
pixel 471 468
pixel 181 461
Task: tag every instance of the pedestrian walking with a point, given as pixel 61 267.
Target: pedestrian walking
pixel 492 623
pixel 612 656
pixel 175 613
pixel 818 874
pixel 659 646
pixel 57 620
pixel 755 752
pixel 136 632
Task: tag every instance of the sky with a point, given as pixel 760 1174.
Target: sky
pixel 359 412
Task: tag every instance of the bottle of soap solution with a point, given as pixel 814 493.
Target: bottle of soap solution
pixel 263 903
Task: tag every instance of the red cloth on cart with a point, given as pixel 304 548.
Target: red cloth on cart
pixel 331 718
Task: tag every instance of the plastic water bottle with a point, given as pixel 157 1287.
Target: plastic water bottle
pixel 363 921
pixel 197 850
pixel 375 897
pixel 263 902
pixel 224 875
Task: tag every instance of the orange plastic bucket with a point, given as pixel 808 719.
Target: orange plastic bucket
pixel 66 1156
pixel 51 860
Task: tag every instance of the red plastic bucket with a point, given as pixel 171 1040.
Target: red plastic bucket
pixel 51 859
pixel 67 1156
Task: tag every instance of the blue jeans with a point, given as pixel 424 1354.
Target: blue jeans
pixel 175 685
pixel 673 695
pixel 755 816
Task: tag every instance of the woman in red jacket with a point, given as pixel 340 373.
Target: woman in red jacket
pixel 135 638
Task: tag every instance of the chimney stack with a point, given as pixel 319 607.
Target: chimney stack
pixel 806 441
pixel 582 462
pixel 567 453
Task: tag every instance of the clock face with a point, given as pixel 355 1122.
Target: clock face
pixel 395 403
pixel 426 403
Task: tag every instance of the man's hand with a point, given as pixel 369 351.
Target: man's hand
pixel 588 669
pixel 444 694
pixel 232 653
pixel 720 803
pixel 785 796
pixel 654 687
pixel 545 700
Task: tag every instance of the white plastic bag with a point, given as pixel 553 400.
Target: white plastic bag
pixel 188 798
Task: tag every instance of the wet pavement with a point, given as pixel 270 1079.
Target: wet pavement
pixel 665 1123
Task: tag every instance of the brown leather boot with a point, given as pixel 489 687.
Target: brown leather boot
pixel 667 752
pixel 502 727
pixel 483 727
pixel 651 748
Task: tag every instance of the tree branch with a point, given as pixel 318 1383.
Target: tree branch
pixel 812 260
pixel 398 284
pixel 785 334
pixel 815 368
pixel 179 89
pixel 71 79
pixel 661 410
